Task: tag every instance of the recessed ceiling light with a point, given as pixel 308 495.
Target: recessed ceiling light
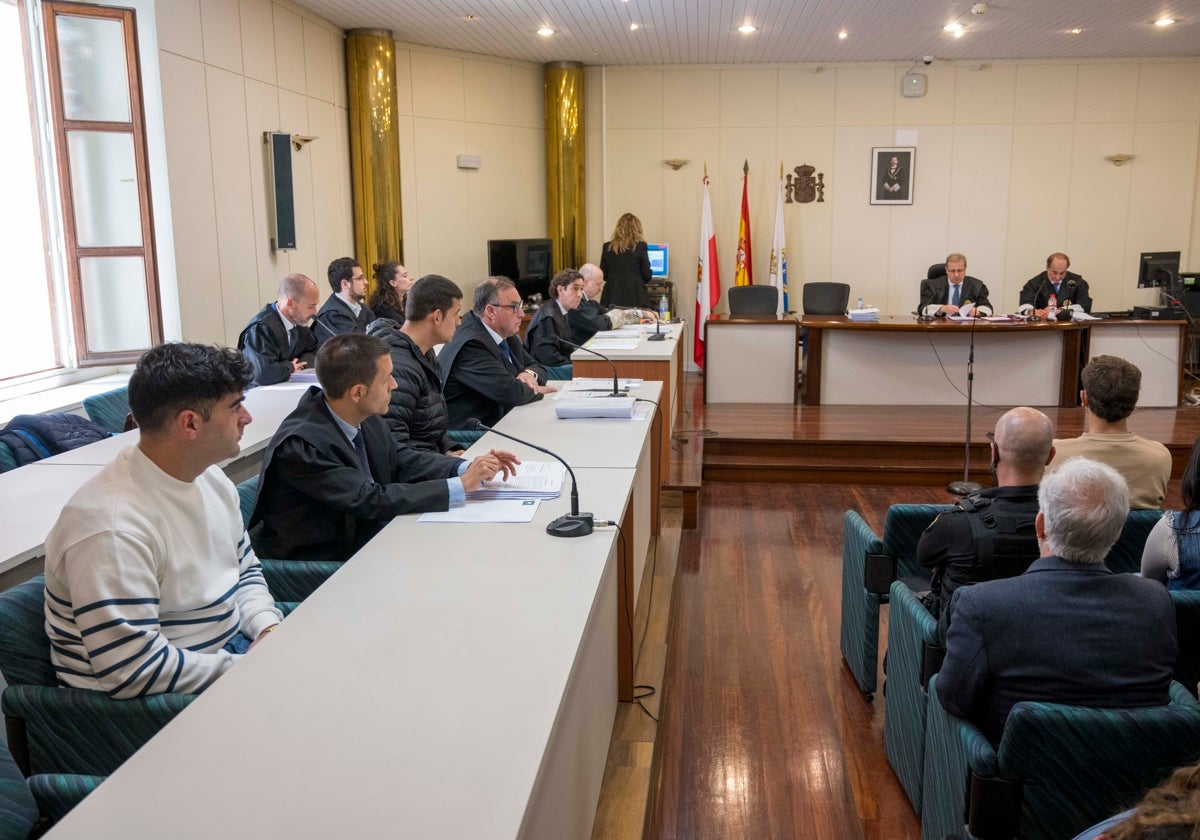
pixel 747 28
pixel 1164 21
pixel 545 32
pixel 842 35
pixel 952 27
pixel 469 17
pixel 633 27
pixel 1074 31
pixel 958 33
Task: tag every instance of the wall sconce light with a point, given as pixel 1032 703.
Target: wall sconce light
pixel 300 141
pixel 676 163
pixel 1119 160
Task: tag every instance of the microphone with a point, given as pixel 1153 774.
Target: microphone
pixel 658 334
pixel 318 322
pixel 616 391
pixel 573 524
pixel 921 317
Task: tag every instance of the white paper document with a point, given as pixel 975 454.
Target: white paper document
pixel 603 345
pixel 599 384
pixel 492 510
pixel 534 480
pixel 627 331
pixel 594 405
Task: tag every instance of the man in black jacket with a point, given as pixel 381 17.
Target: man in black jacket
pixel 485 369
pixel 1069 289
pixel 550 323
pixel 278 341
pixel 332 476
pixel 344 310
pixel 591 316
pixel 950 293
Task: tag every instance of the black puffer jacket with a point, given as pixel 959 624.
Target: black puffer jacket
pixel 32 437
pixel 417 414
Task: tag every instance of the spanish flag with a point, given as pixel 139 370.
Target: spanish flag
pixel 743 274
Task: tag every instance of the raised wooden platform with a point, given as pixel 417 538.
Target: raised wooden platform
pixel 895 445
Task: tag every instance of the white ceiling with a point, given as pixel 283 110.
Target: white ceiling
pixel 790 31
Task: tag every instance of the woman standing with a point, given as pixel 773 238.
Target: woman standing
pixel 392 282
pixel 626 265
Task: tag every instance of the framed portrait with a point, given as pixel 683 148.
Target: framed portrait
pixel 892 170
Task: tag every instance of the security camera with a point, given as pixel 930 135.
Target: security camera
pixel 927 60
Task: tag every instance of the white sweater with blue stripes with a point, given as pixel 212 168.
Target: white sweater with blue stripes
pixel 147 578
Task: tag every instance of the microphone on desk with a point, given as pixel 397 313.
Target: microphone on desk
pixel 318 322
pixel 616 391
pixel 658 334
pixel 573 524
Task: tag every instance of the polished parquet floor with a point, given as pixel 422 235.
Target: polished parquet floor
pixel 763 733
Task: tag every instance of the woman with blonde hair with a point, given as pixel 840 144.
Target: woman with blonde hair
pixel 626 265
pixel 392 282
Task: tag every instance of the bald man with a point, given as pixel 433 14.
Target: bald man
pixel 591 316
pixel 990 534
pixel 278 340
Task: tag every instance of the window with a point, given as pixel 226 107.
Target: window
pixel 76 224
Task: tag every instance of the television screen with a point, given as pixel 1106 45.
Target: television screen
pixel 1158 269
pixel 658 260
pixel 527 262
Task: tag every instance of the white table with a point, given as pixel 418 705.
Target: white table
pixel 450 681
pixel 618 444
pixel 34 496
pixel 657 361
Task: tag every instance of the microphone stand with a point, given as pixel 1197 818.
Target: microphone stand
pixel 573 524
pixel 658 334
pixel 616 391
pixel 966 486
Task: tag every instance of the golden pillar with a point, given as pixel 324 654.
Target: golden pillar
pixel 565 205
pixel 374 145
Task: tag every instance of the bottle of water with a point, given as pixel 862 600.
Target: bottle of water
pixel 1052 307
pixel 860 302
pixel 664 310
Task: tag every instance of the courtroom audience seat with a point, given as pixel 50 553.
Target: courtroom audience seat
pixel 558 372
pixel 1187 629
pixel 110 409
pixel 1057 770
pixel 7 461
pixel 753 300
pixel 57 793
pixel 1126 553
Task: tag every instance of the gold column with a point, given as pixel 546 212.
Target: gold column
pixel 565 200
pixel 374 145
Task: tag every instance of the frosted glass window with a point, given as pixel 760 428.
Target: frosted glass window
pixel 114 303
pixel 95 84
pixel 105 188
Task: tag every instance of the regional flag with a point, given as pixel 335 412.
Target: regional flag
pixel 743 274
pixel 778 269
pixel 708 277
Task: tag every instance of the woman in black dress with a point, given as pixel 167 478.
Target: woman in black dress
pixel 626 265
pixel 392 282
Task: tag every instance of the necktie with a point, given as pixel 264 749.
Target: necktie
pixel 507 353
pixel 954 290
pixel 292 334
pixel 1056 290
pixel 360 446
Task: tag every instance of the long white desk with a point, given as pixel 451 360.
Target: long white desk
pixel 450 681
pixel 618 444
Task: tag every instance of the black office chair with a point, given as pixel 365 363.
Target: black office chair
pixel 826 298
pixel 753 300
pixel 935 271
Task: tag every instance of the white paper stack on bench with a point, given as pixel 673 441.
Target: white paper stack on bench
pixel 869 315
pixel 627 331
pixel 594 405
pixel 534 480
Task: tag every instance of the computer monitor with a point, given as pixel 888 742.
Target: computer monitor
pixel 527 262
pixel 659 261
pixel 1158 269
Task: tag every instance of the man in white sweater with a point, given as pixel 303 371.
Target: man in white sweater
pixel 151 583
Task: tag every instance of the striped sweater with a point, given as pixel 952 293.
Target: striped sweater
pixel 147 578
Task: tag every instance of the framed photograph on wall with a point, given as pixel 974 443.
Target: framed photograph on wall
pixel 892 170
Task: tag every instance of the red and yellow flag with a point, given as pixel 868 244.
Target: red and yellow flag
pixel 743 273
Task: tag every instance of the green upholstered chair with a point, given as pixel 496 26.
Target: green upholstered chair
pixel 1057 770
pixel 463 437
pixel 18 810
pixel 869 565
pixel 109 409
pixel 559 372
pixel 57 793
pixel 65 730
pixel 7 461
pixel 1126 555
pixel 247 496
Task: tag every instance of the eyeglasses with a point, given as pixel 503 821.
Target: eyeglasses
pixel 511 307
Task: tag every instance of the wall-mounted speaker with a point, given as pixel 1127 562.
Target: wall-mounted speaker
pixel 281 201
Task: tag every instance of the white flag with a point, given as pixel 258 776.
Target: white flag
pixel 708 281
pixel 778 272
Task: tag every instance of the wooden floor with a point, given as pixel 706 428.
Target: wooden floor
pixel 763 732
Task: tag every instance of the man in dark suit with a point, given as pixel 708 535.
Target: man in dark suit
pixel 950 293
pixel 591 316
pixel 344 310
pixel 1070 290
pixel 485 370
pixel 332 476
pixel 1068 630
pixel 550 322
pixel 278 341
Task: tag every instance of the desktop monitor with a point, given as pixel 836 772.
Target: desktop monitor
pixel 527 262
pixel 1158 269
pixel 658 260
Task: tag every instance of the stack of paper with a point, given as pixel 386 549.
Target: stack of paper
pixel 604 345
pixel 534 480
pixel 627 331
pixel 599 385
pixel 578 407
pixel 869 315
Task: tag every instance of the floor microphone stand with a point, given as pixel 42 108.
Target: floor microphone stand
pixel 966 486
